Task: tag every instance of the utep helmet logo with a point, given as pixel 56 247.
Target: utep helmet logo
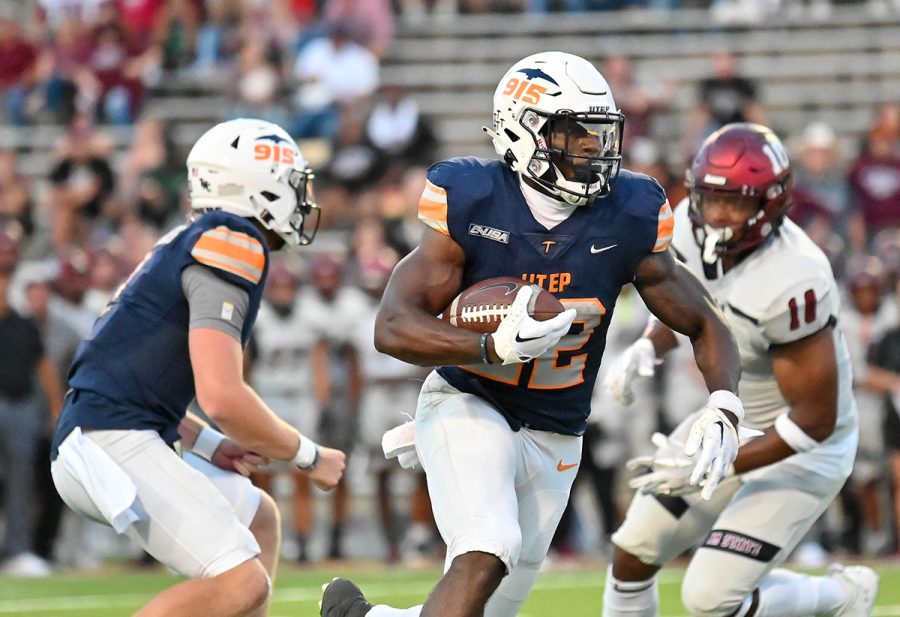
pixel 533 73
pixel 273 138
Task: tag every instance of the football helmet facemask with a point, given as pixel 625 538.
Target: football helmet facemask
pixel 555 121
pixel 745 166
pixel 254 169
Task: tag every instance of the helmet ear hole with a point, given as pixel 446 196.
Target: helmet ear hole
pixel 269 196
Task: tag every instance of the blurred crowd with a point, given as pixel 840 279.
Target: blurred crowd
pixel 72 232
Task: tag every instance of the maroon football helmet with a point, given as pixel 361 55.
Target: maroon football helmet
pixel 747 162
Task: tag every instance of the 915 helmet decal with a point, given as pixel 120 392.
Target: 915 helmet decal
pixel 555 93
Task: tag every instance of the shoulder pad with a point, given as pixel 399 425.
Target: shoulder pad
pixel 790 290
pixel 452 183
pixel 234 252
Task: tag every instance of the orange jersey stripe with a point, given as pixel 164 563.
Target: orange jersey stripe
pixel 433 214
pixel 665 228
pixel 231 251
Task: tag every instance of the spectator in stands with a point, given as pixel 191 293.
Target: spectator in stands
pixel 397 128
pixel 63 66
pixel 257 83
pixel 865 319
pixel 55 12
pixel 18 64
pixel 81 182
pixel 417 11
pixel 119 61
pixel 638 99
pixel 369 22
pixel 152 175
pixel 391 386
pixel 105 275
pixel 16 204
pixel 334 73
pixel 821 195
pixel 175 29
pixel 282 373
pixel 355 162
pixel 24 368
pixel 724 97
pixel 875 180
pixel 70 286
pixel 339 387
pixel 400 211
pixel 886 357
pixel 217 36
pixel 60 341
pixel 644 157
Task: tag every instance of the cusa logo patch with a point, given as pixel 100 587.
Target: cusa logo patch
pixel 497 235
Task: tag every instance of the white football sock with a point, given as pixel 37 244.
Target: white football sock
pixel 630 599
pixel 790 594
pixel 383 610
pixel 513 590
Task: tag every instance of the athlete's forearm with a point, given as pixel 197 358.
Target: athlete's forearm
pixel 422 339
pixel 760 451
pixel 717 355
pixel 661 336
pixel 244 417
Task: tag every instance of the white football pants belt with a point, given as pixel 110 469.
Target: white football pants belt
pixel 400 443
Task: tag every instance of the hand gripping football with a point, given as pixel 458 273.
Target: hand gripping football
pixel 482 306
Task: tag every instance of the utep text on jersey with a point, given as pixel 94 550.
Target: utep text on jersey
pixel 584 261
pixel 134 369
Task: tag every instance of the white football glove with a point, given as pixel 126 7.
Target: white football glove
pixel 639 360
pixel 665 472
pixel 716 439
pixel 520 338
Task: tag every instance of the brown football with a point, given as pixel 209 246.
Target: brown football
pixel 481 306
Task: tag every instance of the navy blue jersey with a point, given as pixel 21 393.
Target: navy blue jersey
pixel 584 261
pixel 134 370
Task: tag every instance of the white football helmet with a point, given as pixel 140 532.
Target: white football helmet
pixel 555 92
pixel 254 169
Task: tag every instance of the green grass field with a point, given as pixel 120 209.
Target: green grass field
pixel 574 592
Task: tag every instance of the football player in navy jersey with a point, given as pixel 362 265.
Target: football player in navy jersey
pixel 498 425
pixel 174 333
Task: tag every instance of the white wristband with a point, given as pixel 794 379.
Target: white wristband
pixel 723 399
pixel 307 454
pixel 793 435
pixel 207 441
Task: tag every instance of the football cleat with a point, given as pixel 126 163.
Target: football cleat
pixel 861 586
pixel 342 598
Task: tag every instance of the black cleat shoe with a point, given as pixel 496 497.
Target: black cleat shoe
pixel 342 598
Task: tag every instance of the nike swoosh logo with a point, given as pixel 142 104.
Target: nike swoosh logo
pixel 595 250
pixel 510 287
pixel 561 467
pixel 519 339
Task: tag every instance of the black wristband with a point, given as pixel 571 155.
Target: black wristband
pixel 485 355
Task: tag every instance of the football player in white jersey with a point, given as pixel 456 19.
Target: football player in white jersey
pixel 778 292
pixel 282 373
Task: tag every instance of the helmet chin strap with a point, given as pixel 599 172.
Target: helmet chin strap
pixel 713 237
